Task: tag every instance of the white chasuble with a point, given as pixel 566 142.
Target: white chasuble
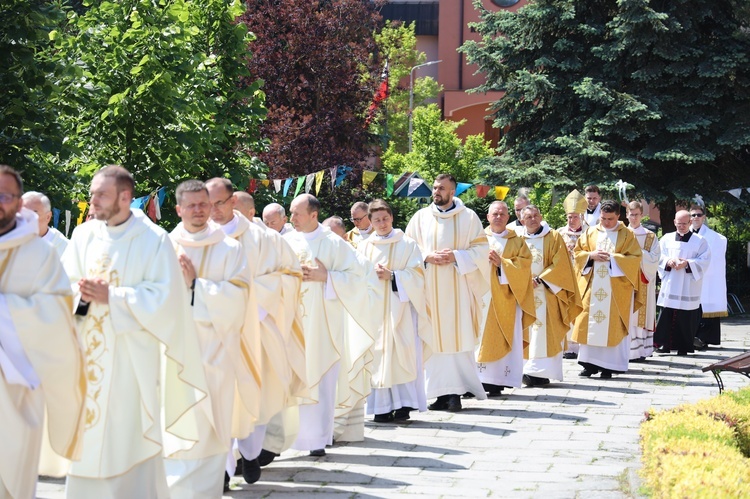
pixel 123 341
pixel 394 350
pixel 681 289
pixel 277 279
pixel 454 292
pixel 218 310
pixel 330 336
pixel 41 361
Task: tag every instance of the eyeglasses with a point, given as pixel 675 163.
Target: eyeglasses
pixel 197 206
pixel 696 215
pixel 7 198
pixel 219 204
pixel 357 220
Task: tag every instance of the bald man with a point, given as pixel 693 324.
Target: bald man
pixel 336 224
pixel 245 204
pixel 39 204
pixel 275 218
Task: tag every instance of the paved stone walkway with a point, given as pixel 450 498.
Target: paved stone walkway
pixel 571 440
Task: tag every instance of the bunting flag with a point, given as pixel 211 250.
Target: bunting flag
pixel 309 182
pixel 319 181
pixel 82 205
pixel 253 186
pixel 300 183
pixel 67 222
pixel 501 191
pixel 414 183
pixel 265 182
pixel 139 203
pixel 368 177
pixel 333 177
pixel 157 206
pixel 388 184
pixel 287 183
pixel 482 190
pixel 462 187
pixel 277 184
pixel 55 217
pixel 151 209
pixel 162 193
pixel 381 94
pixel 736 192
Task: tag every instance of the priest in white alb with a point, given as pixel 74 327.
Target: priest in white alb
pixel 510 311
pixel 128 289
pixel 556 299
pixel 362 226
pixel 41 363
pixel 275 271
pixel 334 289
pixel 608 266
pixel 643 320
pixel 397 366
pixel 40 204
pixel 685 258
pixel 455 252
pixel 214 268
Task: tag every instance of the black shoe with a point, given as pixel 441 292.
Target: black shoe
pixel 606 374
pixel 318 453
pixel 266 457
pixel 570 355
pixel 587 372
pixel 440 404
pixel 250 470
pixel 226 482
pixel 682 353
pixel 238 469
pixel 639 359
pixel 492 390
pixel 402 414
pixel 468 395
pixel 663 350
pixel 529 380
pixel 454 403
pixel 383 418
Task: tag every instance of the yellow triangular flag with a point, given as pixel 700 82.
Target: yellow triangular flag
pixel 318 181
pixel 368 177
pixel 501 191
pixel 265 182
pixel 82 205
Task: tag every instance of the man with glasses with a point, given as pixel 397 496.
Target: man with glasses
pixel 42 365
pixel 519 204
pixel 685 257
pixel 362 227
pixel 215 269
pixel 714 290
pixel 556 299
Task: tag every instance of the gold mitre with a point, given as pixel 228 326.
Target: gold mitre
pixel 575 203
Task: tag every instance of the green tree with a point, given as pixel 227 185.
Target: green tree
pixel 397 43
pixel 154 87
pixel 653 93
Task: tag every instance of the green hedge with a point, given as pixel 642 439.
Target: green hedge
pixel 699 450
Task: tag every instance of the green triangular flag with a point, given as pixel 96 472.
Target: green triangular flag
pixel 388 184
pixel 300 183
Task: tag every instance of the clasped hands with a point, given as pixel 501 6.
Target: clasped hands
pixel 94 290
pixel 600 256
pixel 384 273
pixel 441 257
pixel 318 273
pixel 677 264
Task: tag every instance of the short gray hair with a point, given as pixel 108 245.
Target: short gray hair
pixel 274 208
pixel 41 197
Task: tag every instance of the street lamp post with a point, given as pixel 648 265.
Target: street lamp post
pixel 411 93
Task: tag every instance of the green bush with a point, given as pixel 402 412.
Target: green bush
pixel 699 450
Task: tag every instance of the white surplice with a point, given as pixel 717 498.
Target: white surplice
pixel 643 321
pixel 56 239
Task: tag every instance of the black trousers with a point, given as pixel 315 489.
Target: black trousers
pixel 676 329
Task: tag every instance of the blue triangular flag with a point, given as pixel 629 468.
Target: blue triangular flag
pixel 287 183
pixel 462 187
pixel 55 217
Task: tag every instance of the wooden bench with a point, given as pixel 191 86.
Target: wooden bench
pixel 738 364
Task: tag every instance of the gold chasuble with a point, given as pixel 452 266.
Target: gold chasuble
pixel 608 288
pixel 394 352
pixel 497 337
pixel 454 300
pixel 123 342
pixel 46 366
pixel 556 299
pixel 330 336
pixel 277 278
pixel 218 311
